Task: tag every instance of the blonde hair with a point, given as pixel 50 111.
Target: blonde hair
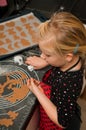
pixel 70 36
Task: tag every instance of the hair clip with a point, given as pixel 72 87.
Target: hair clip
pixel 76 49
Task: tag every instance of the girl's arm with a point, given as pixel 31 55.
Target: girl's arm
pixel 47 105
pixel 36 62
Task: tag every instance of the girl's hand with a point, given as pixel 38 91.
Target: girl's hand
pixel 33 85
pixel 36 62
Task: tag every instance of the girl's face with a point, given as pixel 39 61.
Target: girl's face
pixel 52 58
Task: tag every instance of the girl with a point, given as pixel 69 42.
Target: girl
pixel 63 46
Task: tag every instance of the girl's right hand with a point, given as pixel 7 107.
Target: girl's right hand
pixel 34 85
pixel 36 62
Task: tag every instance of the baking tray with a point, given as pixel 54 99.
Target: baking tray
pixel 18 33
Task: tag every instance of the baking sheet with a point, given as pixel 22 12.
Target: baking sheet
pixel 18 33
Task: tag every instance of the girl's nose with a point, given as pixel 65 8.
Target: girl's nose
pixel 43 56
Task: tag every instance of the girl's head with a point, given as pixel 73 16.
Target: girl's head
pixel 63 34
pixel 63 38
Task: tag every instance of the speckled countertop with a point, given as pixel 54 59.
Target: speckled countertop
pixel 17 103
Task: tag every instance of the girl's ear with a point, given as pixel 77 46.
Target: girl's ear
pixel 69 57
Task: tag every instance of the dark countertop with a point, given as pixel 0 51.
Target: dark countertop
pixel 17 103
pixel 25 111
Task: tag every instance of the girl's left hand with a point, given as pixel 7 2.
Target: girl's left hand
pixel 36 62
pixel 33 85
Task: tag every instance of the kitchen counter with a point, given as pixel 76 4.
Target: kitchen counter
pixel 17 103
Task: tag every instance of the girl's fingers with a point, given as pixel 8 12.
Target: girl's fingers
pixel 31 83
pixel 36 82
